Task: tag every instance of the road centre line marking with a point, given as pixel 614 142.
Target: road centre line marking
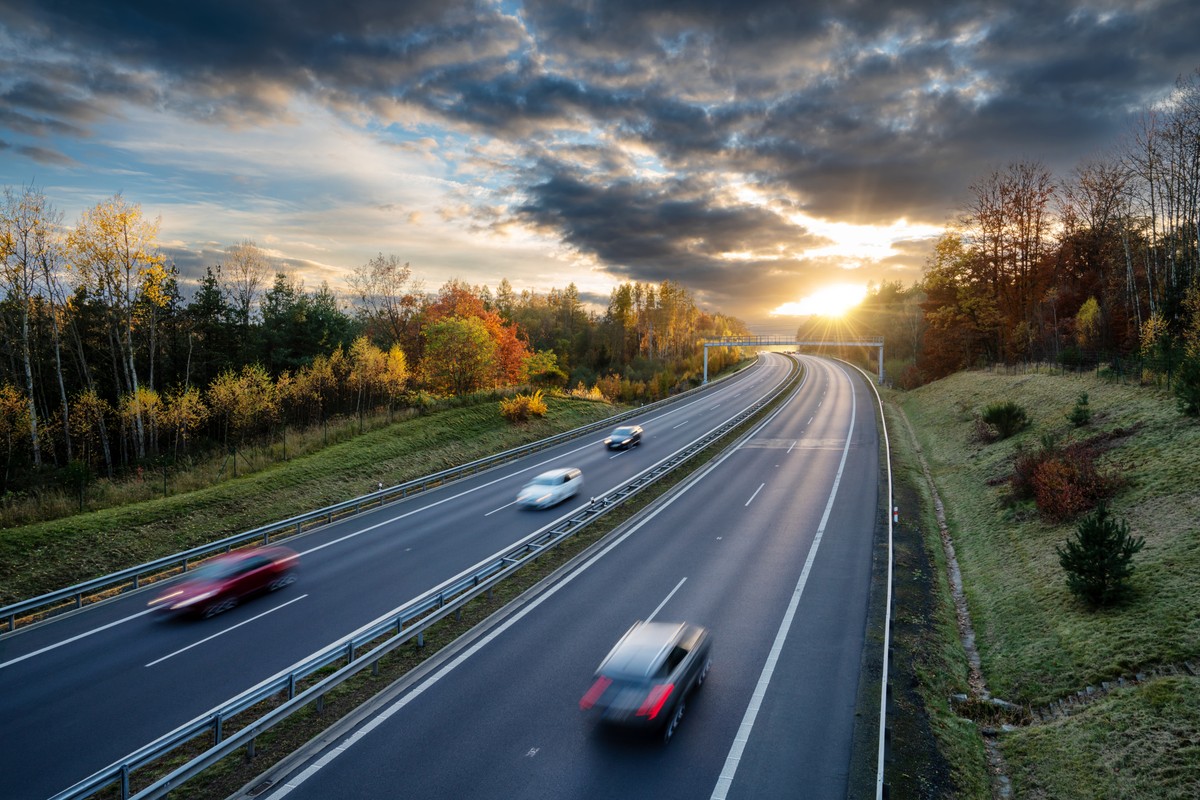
pixel 83 635
pixel 792 445
pixel 756 491
pixel 460 494
pixel 227 630
pixel 725 780
pixel 654 613
pixel 501 508
pixel 419 689
pixel 680 425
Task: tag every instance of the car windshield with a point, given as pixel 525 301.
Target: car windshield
pixel 622 431
pixel 545 480
pixel 215 570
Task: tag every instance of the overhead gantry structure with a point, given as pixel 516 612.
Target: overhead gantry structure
pixel 792 341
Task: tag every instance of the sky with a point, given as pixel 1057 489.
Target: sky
pixel 757 152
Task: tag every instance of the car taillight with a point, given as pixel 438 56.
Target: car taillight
pixel 593 694
pixel 655 700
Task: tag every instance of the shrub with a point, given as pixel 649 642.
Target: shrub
pixel 1187 386
pixel 521 407
pixel 1098 560
pixel 1063 481
pixel 1007 418
pixel 1067 483
pixel 1081 414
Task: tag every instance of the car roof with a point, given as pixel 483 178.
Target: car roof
pixel 557 473
pixel 642 648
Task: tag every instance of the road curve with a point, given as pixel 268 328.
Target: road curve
pixel 769 547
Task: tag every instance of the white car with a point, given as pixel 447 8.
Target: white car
pixel 551 488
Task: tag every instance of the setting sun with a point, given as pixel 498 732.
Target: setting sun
pixel 830 301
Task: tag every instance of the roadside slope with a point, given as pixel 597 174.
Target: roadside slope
pixel 1037 644
pixel 42 557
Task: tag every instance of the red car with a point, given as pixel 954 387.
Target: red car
pixel 222 582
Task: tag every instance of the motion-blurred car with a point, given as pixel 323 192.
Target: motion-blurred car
pixel 221 583
pixel 551 488
pixel 644 680
pixel 624 437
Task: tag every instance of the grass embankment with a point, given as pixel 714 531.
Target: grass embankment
pixel 42 557
pixel 1037 642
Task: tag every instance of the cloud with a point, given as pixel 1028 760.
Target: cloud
pixel 631 139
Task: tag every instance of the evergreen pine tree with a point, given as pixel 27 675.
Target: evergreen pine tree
pixel 1098 559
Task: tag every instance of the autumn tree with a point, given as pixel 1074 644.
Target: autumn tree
pixel 14 409
pixel 244 274
pixel 460 356
pixel 389 299
pixel 115 256
pixel 960 310
pixel 184 414
pixel 26 235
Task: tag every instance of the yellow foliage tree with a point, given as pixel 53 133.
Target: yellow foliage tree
pixel 114 255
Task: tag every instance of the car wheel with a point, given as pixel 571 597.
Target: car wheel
pixel 286 579
pixel 220 607
pixel 669 731
pixel 703 673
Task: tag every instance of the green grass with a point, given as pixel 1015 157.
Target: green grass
pixel 1139 742
pixel 934 752
pixel 1036 641
pixel 42 557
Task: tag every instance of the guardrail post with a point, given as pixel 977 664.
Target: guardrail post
pixel 420 638
pixel 124 782
pixel 291 686
pixel 79 599
pixel 349 652
pixel 217 727
pixel 250 749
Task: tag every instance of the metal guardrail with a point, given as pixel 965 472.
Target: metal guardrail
pixel 107 586
pixel 403 624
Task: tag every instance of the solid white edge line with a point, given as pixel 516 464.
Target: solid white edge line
pixel 887 619
pixel 725 779
pixel 670 594
pixel 324 760
pixel 227 630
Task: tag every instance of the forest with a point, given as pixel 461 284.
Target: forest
pixel 1098 269
pixel 109 368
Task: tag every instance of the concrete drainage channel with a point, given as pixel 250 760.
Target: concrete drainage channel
pixel 332 693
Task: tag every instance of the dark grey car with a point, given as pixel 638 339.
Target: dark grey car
pixel 645 679
pixel 624 437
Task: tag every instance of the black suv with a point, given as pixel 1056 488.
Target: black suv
pixel 645 678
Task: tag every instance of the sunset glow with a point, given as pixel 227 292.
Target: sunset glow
pixel 830 301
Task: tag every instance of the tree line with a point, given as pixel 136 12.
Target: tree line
pixel 1098 266
pixel 109 365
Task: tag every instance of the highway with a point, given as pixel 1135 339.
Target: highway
pixel 82 691
pixel 769 547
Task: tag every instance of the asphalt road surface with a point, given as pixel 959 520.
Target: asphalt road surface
pixel 82 691
pixel 769 547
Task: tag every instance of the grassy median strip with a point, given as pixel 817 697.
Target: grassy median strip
pixel 235 771
pixel 1037 643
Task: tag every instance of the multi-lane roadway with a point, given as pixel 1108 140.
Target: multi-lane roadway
pixel 769 547
pixel 84 690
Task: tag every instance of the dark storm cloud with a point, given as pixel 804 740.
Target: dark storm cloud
pixel 629 117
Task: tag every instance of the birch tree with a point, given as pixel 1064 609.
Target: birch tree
pixel 114 254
